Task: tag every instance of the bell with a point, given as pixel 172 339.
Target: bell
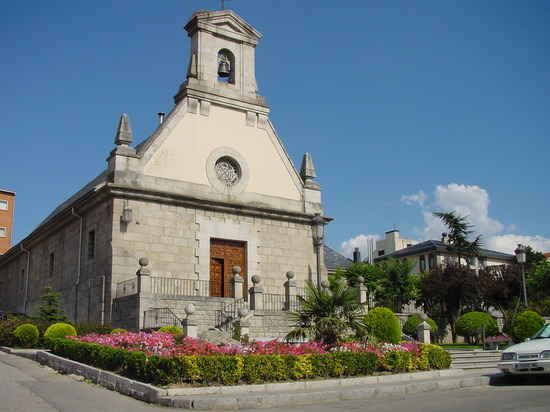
pixel 223 69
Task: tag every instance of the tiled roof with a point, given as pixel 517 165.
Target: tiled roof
pixel 437 246
pixel 334 259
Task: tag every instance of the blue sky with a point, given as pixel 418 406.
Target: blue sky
pixel 407 107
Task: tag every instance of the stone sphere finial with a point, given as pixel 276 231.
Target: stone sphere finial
pixel 237 270
pixel 423 317
pixel 360 279
pixel 325 284
pixel 143 261
pixel 256 279
pixel 242 312
pixel 189 309
pixel 290 275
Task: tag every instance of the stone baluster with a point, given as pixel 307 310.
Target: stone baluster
pixel 242 322
pixel 144 276
pixel 237 283
pixel 256 294
pixel 423 329
pixel 290 289
pixel 363 290
pixel 189 324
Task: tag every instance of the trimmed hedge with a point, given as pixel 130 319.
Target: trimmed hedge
pixel 437 357
pixel 58 330
pixel 468 324
pixel 27 334
pixel 248 369
pixel 174 330
pixel 526 325
pixel 383 324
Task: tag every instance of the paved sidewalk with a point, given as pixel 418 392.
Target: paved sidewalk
pixel 286 394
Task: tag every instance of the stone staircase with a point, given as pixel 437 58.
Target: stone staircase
pixel 474 358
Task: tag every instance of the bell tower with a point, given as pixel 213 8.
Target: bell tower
pixel 222 61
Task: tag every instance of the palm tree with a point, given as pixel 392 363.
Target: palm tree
pixel 459 230
pixel 327 315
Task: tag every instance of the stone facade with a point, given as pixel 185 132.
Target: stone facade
pixel 214 175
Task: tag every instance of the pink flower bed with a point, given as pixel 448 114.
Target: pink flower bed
pixel 164 344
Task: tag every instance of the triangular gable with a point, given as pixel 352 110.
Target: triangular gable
pixel 224 22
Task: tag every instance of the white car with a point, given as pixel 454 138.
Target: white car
pixel 529 357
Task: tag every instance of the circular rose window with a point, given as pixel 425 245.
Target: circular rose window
pixel 227 171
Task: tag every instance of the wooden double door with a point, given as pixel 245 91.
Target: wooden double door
pixel 224 254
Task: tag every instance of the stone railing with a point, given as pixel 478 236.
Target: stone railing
pixel 157 318
pixel 127 288
pixel 179 287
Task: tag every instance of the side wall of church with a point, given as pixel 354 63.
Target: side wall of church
pixel 51 258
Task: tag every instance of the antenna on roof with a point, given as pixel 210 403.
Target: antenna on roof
pixel 391 204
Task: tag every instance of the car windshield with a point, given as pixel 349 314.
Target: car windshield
pixel 544 332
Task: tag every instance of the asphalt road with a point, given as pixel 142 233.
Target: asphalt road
pixel 28 386
pixel 528 395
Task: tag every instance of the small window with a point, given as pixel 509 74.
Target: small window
pixel 3 204
pixel 2 232
pixel 91 244
pixel 431 261
pixel 422 263
pixel 51 265
pixel 381 252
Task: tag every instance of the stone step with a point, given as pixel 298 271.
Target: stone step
pixel 474 359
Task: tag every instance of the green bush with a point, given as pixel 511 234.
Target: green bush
pixel 468 325
pixel 57 331
pixel 7 327
pixel 27 335
pixel 117 330
pixel 526 325
pixel 438 358
pixel 409 328
pixel 174 330
pixel 383 324
pixel 398 361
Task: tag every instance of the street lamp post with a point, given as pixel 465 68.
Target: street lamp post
pixel 521 257
pixel 318 230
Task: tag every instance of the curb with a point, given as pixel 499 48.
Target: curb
pixel 289 398
pixel 267 395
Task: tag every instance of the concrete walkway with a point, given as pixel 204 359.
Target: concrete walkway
pixel 286 394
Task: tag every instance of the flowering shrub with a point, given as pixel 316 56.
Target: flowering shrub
pixel 165 344
pixel 162 359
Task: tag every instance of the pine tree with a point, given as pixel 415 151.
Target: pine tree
pixel 50 312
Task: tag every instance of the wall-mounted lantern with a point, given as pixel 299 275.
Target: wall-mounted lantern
pixel 126 215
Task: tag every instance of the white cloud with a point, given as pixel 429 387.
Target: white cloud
pixel 508 243
pixel 419 198
pixel 465 200
pixel 471 201
pixel 347 247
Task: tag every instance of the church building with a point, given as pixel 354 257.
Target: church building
pixel 211 195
